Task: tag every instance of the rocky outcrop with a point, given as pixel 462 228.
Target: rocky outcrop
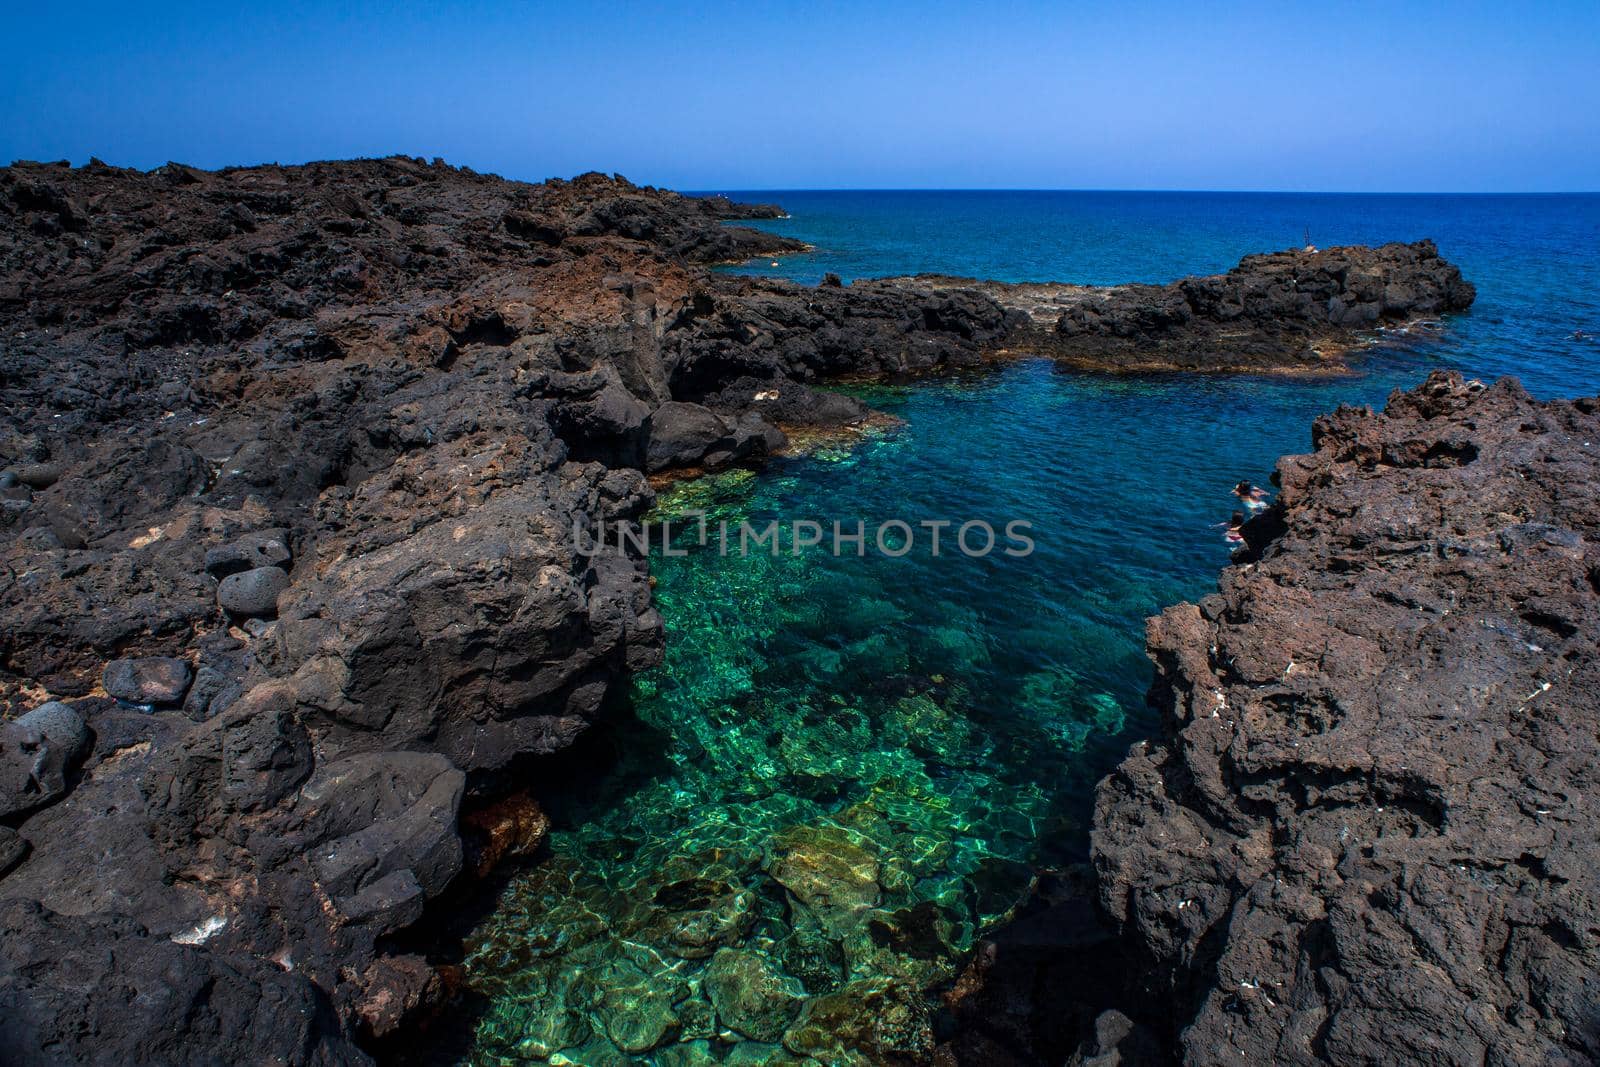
pixel 1299 310
pixel 296 469
pixel 1364 834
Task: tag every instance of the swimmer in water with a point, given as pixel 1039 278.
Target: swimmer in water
pixel 1233 534
pixel 1254 497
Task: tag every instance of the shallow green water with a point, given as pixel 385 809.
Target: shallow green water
pixel 850 767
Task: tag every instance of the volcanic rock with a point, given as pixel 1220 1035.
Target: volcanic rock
pixel 36 751
pixel 252 593
pixel 96 990
pixel 511 827
pixel 269 548
pixel 1361 836
pixel 1301 309
pixel 148 680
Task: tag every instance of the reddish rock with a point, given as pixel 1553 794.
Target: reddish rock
pixel 510 827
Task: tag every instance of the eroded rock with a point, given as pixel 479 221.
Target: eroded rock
pixel 36 752
pixel 147 680
pixel 1360 831
pixel 252 593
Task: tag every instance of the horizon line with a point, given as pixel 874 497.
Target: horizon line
pixel 1107 189
pixel 714 191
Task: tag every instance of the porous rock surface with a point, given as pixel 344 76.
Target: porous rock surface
pixel 384 395
pixel 1366 834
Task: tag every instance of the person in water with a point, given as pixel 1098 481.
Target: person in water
pixel 1254 497
pixel 1234 534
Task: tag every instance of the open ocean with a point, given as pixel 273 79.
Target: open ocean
pixel 897 744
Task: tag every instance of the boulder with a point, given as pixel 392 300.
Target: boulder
pixel 869 1021
pixel 147 680
pixel 252 593
pixel 36 751
pixel 751 994
pixel 681 434
pixel 37 475
pixel 267 548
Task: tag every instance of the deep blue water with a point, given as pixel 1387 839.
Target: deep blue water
pixel 1535 259
pixel 849 766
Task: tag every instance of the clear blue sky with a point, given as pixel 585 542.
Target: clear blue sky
pixel 1400 96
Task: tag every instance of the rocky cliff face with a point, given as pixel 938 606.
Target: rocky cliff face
pixel 296 462
pixel 1364 836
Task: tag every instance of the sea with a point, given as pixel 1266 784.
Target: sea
pixel 852 766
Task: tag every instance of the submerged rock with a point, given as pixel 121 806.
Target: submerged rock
pixel 634 1007
pixel 828 871
pixel 865 1023
pixel 751 995
pixel 513 826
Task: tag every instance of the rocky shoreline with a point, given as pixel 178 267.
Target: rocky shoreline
pixel 1361 835
pixel 296 464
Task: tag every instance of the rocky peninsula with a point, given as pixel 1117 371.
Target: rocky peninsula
pixel 1293 312
pixel 296 462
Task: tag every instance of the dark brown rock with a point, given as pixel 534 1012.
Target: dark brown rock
pixel 147 680
pixel 511 827
pixel 1360 838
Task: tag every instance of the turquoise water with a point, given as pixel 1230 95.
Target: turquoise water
pixel 850 767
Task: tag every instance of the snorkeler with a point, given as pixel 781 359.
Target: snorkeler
pixel 1254 497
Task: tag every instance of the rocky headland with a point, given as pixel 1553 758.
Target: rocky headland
pixel 297 461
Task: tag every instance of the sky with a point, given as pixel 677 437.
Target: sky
pixel 1400 96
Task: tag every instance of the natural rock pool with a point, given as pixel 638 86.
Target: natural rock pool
pixel 850 767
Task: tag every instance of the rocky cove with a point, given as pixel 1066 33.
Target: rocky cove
pixel 295 621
